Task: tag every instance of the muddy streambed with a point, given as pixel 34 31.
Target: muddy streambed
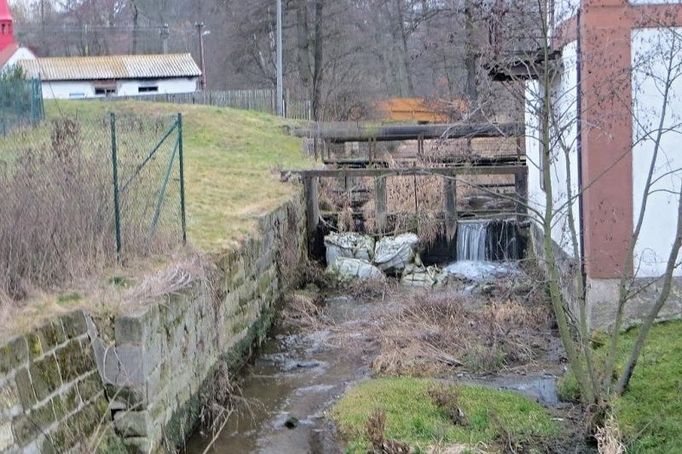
pixel 294 379
pixel 299 374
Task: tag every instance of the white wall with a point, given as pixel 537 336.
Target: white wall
pixel 654 2
pixel 564 10
pixel 564 93
pixel 22 53
pixel 86 89
pixel 651 52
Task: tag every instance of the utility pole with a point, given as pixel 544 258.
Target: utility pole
pixel 202 33
pixel 280 62
pixel 165 34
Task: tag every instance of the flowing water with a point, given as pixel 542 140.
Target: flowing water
pixel 472 239
pixel 293 381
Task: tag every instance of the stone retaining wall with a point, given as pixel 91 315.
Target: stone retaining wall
pixel 147 373
pixel 50 390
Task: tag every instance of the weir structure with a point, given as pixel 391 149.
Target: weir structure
pixel 450 168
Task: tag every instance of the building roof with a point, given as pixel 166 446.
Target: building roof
pixel 6 53
pixel 112 67
pixel 5 13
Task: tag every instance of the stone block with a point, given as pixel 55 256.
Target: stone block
pixel 124 366
pixel 28 426
pixel 130 329
pixel 45 377
pixel 75 324
pixel 90 387
pixel 51 334
pixel 133 423
pixel 35 347
pixel 6 436
pixel 13 354
pixel 25 388
pixel 70 399
pixel 73 362
pixel 10 405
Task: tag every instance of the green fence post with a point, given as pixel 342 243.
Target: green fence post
pixel 182 181
pixel 117 206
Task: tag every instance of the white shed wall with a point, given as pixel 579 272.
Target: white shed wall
pixel 564 94
pixel 86 88
pixel 651 51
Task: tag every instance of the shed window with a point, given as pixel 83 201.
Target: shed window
pixel 105 88
pixel 148 89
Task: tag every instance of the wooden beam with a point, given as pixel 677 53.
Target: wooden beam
pixel 450 196
pixel 312 203
pixel 521 183
pixel 371 133
pixel 407 171
pixel 380 202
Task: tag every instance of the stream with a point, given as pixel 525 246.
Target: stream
pixel 297 376
pixel 291 383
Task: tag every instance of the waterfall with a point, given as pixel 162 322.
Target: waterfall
pixel 472 240
pixel 488 240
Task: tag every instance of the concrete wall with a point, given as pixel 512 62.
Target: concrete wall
pixel 147 373
pixel 86 88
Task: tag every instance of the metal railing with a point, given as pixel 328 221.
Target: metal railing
pixel 21 104
pixel 260 100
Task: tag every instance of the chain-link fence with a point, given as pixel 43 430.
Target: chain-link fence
pixel 81 192
pixel 21 104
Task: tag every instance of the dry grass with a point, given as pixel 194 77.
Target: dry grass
pixel 438 331
pixel 57 226
pixel 304 309
pixel 609 438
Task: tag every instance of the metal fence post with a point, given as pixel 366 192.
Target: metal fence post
pixel 182 181
pixel 117 206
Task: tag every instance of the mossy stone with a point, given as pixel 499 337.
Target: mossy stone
pixel 35 347
pixel 13 354
pixel 90 387
pixel 73 361
pixel 51 334
pixel 45 377
pixel 25 388
pixel 75 324
pixel 71 400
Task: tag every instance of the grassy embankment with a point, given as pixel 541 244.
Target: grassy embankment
pixel 649 414
pixel 231 163
pixel 414 417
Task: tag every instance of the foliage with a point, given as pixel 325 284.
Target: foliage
pixel 413 417
pixel 650 413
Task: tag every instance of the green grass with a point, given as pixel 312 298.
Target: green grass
pixel 413 418
pixel 649 414
pixel 230 162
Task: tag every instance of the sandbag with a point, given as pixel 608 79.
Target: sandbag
pixel 349 268
pixel 393 254
pixel 421 276
pixel 348 245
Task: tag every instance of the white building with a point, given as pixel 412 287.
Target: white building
pixel 119 75
pixel 10 51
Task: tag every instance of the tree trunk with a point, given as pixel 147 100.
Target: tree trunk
pixel 471 90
